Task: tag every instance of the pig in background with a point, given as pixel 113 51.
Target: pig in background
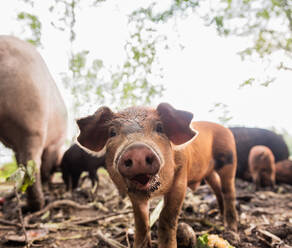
pixel 246 138
pixel 33 116
pixel 261 164
pixel 75 161
pixel 151 152
pixel 284 171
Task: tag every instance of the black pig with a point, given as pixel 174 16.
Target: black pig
pixel 75 161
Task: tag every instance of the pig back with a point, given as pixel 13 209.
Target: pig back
pixel 213 144
pixel 29 98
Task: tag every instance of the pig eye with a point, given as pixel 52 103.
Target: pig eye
pixel 112 132
pixel 159 128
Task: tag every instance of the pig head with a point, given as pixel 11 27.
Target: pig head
pixel 261 163
pixel 284 171
pixel 139 144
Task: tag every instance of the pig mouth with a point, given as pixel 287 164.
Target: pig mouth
pixel 142 179
pixel 144 183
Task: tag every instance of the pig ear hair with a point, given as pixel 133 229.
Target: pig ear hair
pixel 94 130
pixel 176 124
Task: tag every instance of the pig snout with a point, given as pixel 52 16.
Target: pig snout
pixel 138 163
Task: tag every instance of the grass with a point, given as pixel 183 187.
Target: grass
pixel 7 169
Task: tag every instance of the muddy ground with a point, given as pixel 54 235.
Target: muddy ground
pixel 79 221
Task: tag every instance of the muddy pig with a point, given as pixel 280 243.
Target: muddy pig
pixel 247 137
pixel 261 164
pixel 284 171
pixel 151 152
pixel 33 116
pixel 75 161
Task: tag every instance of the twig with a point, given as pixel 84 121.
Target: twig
pixel 9 223
pixel 127 239
pixel 203 222
pixel 101 217
pixel 21 216
pixel 274 240
pixel 112 243
pixel 56 204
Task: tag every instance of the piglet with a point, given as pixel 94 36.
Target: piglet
pixel 151 152
pixel 261 163
pixel 75 161
pixel 284 171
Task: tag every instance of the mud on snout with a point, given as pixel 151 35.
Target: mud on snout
pixel 139 164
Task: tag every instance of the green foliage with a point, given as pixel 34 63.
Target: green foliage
pixel 289 143
pixel 89 79
pixel 288 138
pixel 86 81
pixel 24 176
pixel 35 27
pixel 267 25
pixel 7 169
pixel 66 9
pixel 17 177
pixel 176 7
pixel 251 82
pixel 210 241
pixel 286 135
pixel 29 176
pixel 202 241
pixel 222 111
pixel 248 82
pixel 268 22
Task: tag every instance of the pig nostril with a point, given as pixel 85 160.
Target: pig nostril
pixel 149 160
pixel 128 163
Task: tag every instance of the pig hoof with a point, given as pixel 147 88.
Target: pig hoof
pixel 232 237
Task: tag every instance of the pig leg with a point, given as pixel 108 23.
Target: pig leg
pixel 215 183
pixel 94 183
pixel 168 219
pixel 227 176
pixel 93 176
pixel 75 176
pixel 142 228
pixel 49 159
pixel 31 149
pixel 67 178
pixel 257 181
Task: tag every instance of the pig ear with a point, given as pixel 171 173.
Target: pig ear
pixel 94 129
pixel 176 123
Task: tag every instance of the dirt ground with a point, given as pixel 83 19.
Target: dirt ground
pixel 78 221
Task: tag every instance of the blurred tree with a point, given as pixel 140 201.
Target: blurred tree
pixel 286 135
pixel 288 138
pixel 267 22
pixel 222 111
pixel 267 25
pixel 91 81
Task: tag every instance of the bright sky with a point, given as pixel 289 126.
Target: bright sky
pixel 207 71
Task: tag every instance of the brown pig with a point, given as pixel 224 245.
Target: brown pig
pixel 151 152
pixel 261 163
pixel 284 171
